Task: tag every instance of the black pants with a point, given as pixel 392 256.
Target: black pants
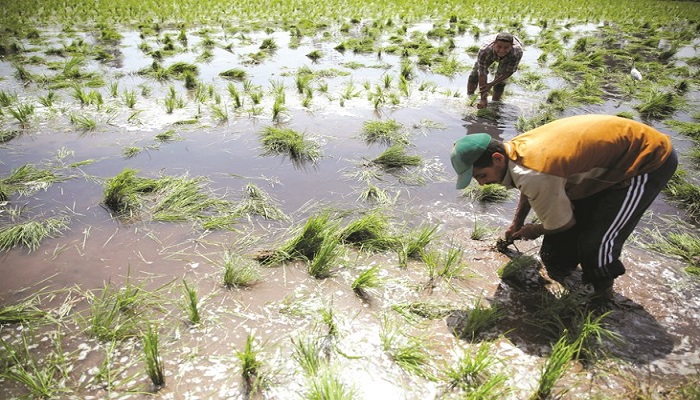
pixel 604 221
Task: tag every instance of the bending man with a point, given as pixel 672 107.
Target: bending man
pixel 507 53
pixel 588 178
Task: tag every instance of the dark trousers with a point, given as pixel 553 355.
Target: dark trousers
pixel 604 221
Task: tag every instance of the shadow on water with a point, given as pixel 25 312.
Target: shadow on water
pixel 537 312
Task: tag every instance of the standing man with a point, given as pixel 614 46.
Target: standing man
pixel 507 53
pixel 589 179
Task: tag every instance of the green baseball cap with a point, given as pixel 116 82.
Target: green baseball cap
pixel 465 152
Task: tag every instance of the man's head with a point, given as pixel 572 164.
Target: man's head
pixel 480 156
pixel 503 44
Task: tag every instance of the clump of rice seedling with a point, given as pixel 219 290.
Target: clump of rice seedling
pixel 448 266
pixel 515 266
pixel 490 193
pixel 306 242
pixel 396 157
pixel 291 143
pixel 369 232
pixel 557 363
pixel 22 113
pixel 680 244
pixel 238 271
pixel 686 194
pixel 45 379
pixel 422 309
pixel 121 192
pixel 488 113
pixel 166 136
pixel 251 367
pixel 658 104
pixel 279 109
pixel 151 354
pixel 375 195
pixel 30 234
pixel 690 129
pixel 307 353
pixel 129 97
pixel 407 352
pixel 268 44
pixel 27 180
pixel 235 74
pixel 386 132
pixel 191 303
pixel 315 55
pixel 25 311
pixel 322 264
pixel 116 314
pixel 83 122
pixel 477 320
pixel 6 136
pixel 7 99
pixel 258 202
pixel 327 385
pixel 470 373
pixel 368 279
pixel 480 231
pixel 412 245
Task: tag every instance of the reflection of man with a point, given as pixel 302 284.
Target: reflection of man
pixel 507 53
pixel 589 179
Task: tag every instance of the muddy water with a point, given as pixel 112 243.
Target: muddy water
pixel 656 314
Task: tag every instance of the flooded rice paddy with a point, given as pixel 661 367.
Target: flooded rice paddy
pixel 364 340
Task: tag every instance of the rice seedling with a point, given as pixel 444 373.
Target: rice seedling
pixel 386 132
pixel 28 179
pixel 322 265
pixel 480 232
pixel 279 109
pixel 258 202
pixel 413 244
pixel 23 312
pixel 367 280
pixel 315 55
pixel 116 314
pixel 129 97
pixel 220 114
pixel 684 245
pixel 47 378
pixel 370 232
pixel 554 368
pixel 470 374
pixel 658 104
pixel 238 271
pixel 191 303
pixel 114 89
pixel 235 96
pixel 83 122
pixel 303 81
pixel 166 136
pixel 6 136
pixel 374 194
pixel 269 44
pixel 411 356
pixel 396 157
pixel 491 193
pixel 307 353
pixel 478 320
pixel 327 385
pixel 251 366
pixel 255 97
pixel 31 233
pixel 235 74
pixel 155 368
pixel 23 75
pixel 427 310
pixel 7 99
pixel 448 266
pixel 22 112
pixel 690 129
pixel 515 266
pixel 684 193
pixel 291 143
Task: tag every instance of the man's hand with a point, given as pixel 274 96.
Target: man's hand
pixel 482 103
pixel 528 232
